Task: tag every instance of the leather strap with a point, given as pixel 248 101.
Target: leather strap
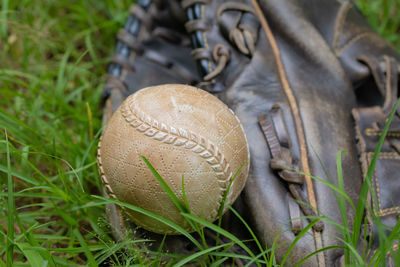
pixel 201 53
pixel 188 3
pixel 123 61
pixel 283 163
pixel 196 25
pixel 158 58
pixel 294 212
pixel 174 67
pixel 221 55
pixel 130 41
pixel 141 15
pixel 167 34
pixel 113 83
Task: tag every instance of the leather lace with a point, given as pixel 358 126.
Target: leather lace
pixel 213 61
pixel 128 45
pixel 285 166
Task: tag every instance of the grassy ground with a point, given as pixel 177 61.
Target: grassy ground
pixel 53 58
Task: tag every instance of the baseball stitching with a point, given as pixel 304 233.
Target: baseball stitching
pixel 102 175
pixel 152 128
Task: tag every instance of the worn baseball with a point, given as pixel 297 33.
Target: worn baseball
pixel 184 132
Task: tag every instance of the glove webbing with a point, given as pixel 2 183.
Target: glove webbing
pixel 129 45
pixel 212 61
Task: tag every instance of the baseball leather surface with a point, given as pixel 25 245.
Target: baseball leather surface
pixel 181 130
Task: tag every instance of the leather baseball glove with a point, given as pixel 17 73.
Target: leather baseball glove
pixel 307 79
pixel 153 48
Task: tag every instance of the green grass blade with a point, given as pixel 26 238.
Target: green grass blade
pixel 239 256
pixel 3 19
pixel 219 262
pixel 221 231
pixel 181 207
pixel 185 201
pixel 342 203
pixel 362 201
pixel 154 216
pixel 90 120
pixel 315 253
pixel 256 259
pixel 88 253
pixel 253 235
pixel 198 254
pixel 10 209
pixel 300 235
pixel 34 258
pixel 222 205
pixel 330 185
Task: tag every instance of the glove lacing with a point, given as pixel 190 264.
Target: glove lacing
pixel 212 62
pixel 129 45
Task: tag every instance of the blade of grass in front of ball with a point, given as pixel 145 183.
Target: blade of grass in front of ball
pixel 186 203
pixel 221 208
pixel 165 186
pixel 183 208
pixel 167 222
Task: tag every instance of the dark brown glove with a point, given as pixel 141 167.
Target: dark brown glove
pixel 292 83
pixel 293 72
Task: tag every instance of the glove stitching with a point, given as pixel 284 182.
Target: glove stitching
pixel 353 40
pixel 339 22
pixel 387 211
pixel 373 132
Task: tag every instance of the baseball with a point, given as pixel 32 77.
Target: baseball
pixel 184 132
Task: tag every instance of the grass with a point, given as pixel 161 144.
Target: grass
pixel 384 17
pixel 53 58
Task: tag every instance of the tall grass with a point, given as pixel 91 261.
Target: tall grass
pixel 53 57
pixel 53 60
